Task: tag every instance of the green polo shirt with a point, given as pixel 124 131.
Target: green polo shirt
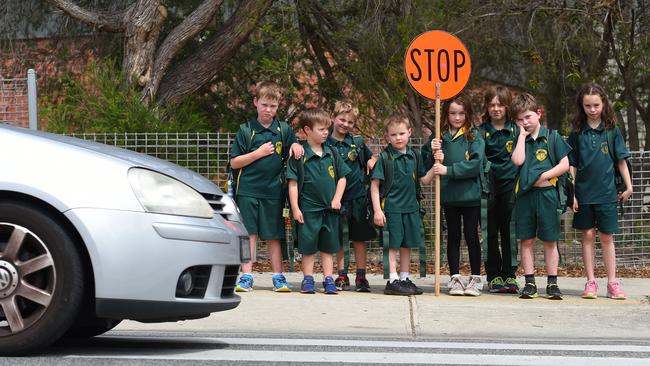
pixel 463 158
pixel 319 184
pixel 537 159
pixel 590 154
pixel 499 145
pixel 350 154
pixel 261 179
pixel 402 195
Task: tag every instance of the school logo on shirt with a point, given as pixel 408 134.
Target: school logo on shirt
pixel 509 146
pixel 330 169
pixel 352 155
pixel 466 155
pixel 278 147
pixel 541 154
pixel 604 148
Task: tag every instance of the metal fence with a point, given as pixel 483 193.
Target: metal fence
pixel 18 101
pixel 207 154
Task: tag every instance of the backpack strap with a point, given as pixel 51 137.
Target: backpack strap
pixel 360 145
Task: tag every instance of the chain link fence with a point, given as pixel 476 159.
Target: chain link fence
pixel 207 154
pixel 18 101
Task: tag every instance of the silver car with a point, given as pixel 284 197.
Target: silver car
pixel 92 234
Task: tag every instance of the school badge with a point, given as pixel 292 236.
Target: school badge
pixel 509 147
pixel 278 147
pixel 466 155
pixel 352 155
pixel 604 148
pixel 331 171
pixel 541 154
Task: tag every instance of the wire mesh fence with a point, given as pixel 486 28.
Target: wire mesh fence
pixel 14 106
pixel 207 154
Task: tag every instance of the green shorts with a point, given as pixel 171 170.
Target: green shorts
pixel 604 216
pixel 262 217
pixel 319 233
pixel 536 215
pixel 404 230
pixel 359 220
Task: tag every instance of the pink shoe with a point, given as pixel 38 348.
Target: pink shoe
pixel 615 291
pixel 591 290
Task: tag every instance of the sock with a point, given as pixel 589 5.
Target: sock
pixel 393 276
pixel 275 274
pixel 403 275
pixel 246 273
pixel 552 279
pixel 343 272
pixel 361 273
pixel 530 278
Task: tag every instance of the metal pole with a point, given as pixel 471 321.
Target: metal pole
pixel 437 198
pixel 31 99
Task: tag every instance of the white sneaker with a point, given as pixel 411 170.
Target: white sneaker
pixel 474 286
pixel 456 286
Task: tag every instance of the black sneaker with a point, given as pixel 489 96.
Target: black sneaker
pixel 361 285
pixel 553 292
pixel 397 288
pixel 529 291
pixel 408 284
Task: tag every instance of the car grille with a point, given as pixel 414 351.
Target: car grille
pixel 216 203
pixel 229 280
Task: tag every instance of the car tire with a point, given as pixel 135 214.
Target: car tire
pixel 41 278
pixel 91 327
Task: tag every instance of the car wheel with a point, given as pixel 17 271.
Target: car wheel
pixel 92 327
pixel 41 279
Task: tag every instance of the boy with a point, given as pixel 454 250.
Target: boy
pixel 356 155
pixel 316 186
pixel 258 154
pixel 399 211
pixel 537 198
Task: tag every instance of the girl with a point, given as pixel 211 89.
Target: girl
pixel 598 150
pixel 463 150
pixel 500 135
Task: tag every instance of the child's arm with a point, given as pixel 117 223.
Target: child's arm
pixel 293 200
pixel 561 168
pixel 519 154
pixel 241 161
pixel 438 155
pixel 340 188
pixel 625 173
pixel 380 218
pixel 296 151
pixel 573 171
pixel 468 168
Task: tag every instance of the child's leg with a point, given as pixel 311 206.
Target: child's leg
pixel 588 238
pixel 340 262
pixel 360 254
pixel 248 266
pixel 392 263
pixel 470 228
pixel 609 256
pixel 551 257
pixel 404 260
pixel 327 261
pixel 452 214
pixel 308 264
pixel 275 255
pixel 528 256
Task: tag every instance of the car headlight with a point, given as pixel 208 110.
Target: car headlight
pixel 159 193
pixel 230 209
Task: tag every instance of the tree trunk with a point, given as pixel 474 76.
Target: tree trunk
pixel 141 40
pixel 632 128
pixel 414 112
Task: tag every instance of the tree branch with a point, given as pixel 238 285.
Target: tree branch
pixel 109 22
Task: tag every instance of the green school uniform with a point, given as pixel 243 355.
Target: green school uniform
pixel 463 158
pixel 499 145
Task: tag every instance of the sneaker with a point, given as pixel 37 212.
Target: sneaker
pixel 307 285
pixel 553 292
pixel 511 285
pixel 529 291
pixel 361 285
pixel 329 287
pixel 342 282
pixel 456 286
pixel 615 291
pixel 497 285
pixel 409 284
pixel 397 287
pixel 591 290
pixel 280 284
pixel 474 286
pixel 245 283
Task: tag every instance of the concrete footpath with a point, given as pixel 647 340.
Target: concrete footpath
pixel 375 314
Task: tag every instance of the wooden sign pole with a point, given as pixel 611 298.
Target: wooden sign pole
pixel 437 199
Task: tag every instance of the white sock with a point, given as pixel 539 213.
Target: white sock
pixel 393 276
pixel 403 275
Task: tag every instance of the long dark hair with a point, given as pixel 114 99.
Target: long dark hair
pixel 464 100
pixel 503 95
pixel 608 116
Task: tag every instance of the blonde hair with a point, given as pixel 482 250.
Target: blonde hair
pixel 345 106
pixel 396 119
pixel 313 116
pixel 524 102
pixel 268 89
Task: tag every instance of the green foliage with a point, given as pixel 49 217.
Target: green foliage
pixel 97 102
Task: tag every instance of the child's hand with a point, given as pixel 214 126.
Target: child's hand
pixel 336 204
pixel 371 164
pixel 624 196
pixel 439 169
pixel 266 149
pixel 436 144
pixel 522 130
pixel 439 156
pixel 575 204
pixel 380 218
pixel 297 215
pixel 296 151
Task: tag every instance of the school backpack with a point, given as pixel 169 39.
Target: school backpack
pixel 564 184
pixel 232 183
